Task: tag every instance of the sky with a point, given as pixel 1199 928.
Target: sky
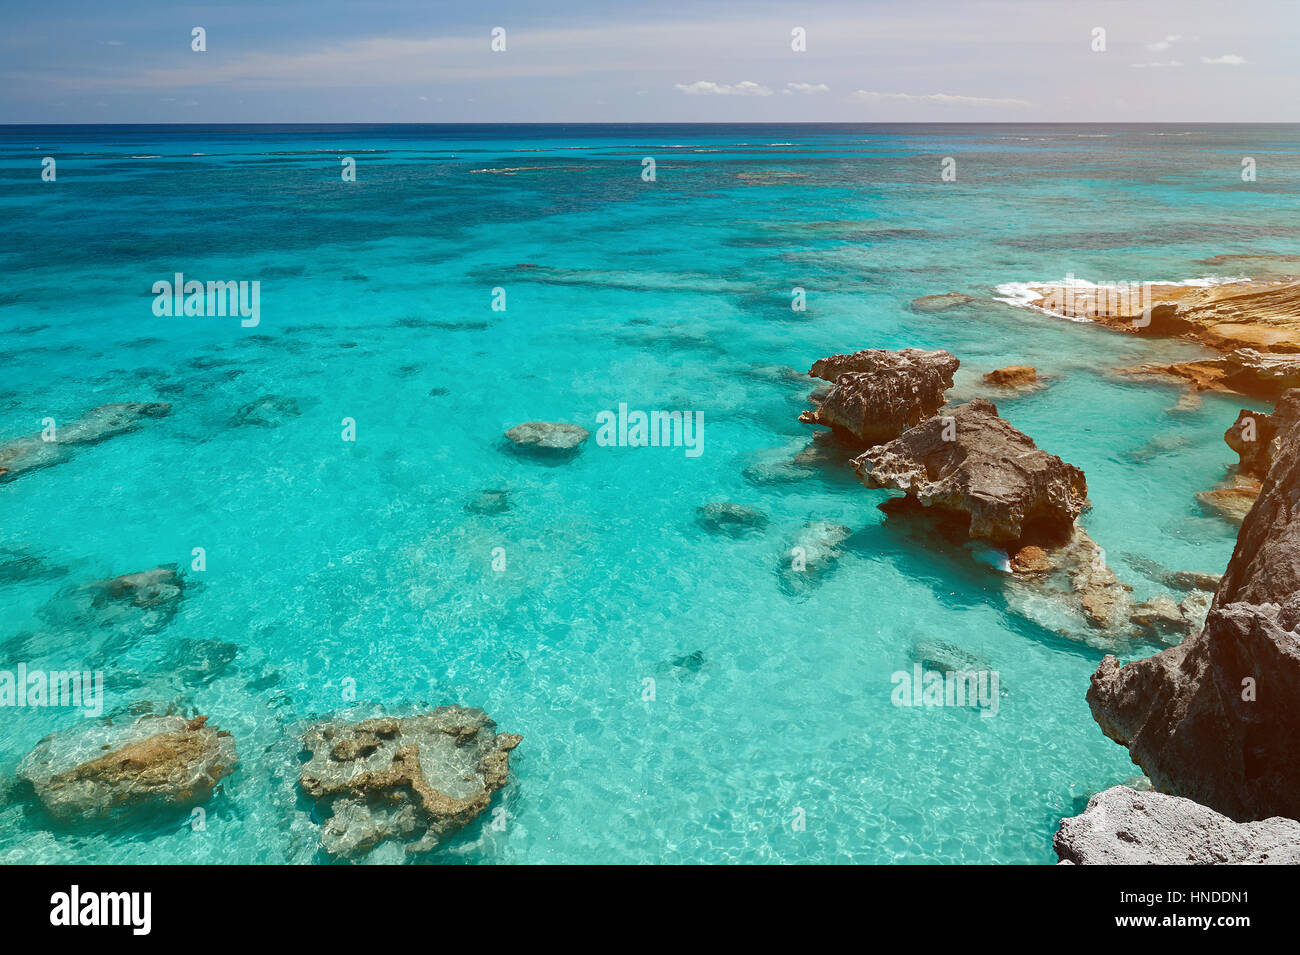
pixel 132 61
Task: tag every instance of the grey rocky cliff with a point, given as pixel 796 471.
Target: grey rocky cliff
pixel 1217 718
pixel 1125 827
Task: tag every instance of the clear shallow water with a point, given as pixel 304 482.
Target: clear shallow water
pixel 332 561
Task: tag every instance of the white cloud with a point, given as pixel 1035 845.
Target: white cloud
pixel 1228 59
pixel 947 99
pixel 807 88
pixel 1166 43
pixel 1155 65
pixel 707 88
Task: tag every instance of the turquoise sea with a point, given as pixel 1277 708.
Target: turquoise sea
pixel 333 564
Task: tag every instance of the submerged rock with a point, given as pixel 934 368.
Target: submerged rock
pixel 1076 578
pixel 692 661
pixel 268 411
pixel 159 587
pixel 489 503
pixel 1161 617
pixel 1103 599
pixel 812 554
pixel 723 517
pixel 973 464
pixel 547 438
pixel 415 779
pixel 102 770
pixel 877 394
pixel 99 424
pixel 940 303
pixel 1125 827
pixel 1217 718
pixel 1231 502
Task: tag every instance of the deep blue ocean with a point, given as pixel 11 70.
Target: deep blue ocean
pixel 338 567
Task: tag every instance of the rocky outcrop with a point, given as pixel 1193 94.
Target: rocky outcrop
pixel 1123 827
pixel 547 438
pixel 1244 371
pixel 1253 433
pixel 415 779
pixel 1255 324
pixel 976 466
pixel 99 424
pixel 1217 718
pixel 1252 436
pixel 735 520
pixel 877 394
pixel 103 770
pixel 1013 376
pixel 940 303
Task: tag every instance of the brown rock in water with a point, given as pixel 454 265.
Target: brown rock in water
pixel 940 303
pixel 1248 314
pixel 1217 718
pixel 1103 599
pixel 1031 560
pixel 1255 323
pixel 1013 376
pixel 102 770
pixel 1233 502
pixel 99 424
pixel 976 465
pixel 877 394
pixel 1245 371
pixel 415 779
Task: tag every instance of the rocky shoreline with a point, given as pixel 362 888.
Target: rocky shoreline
pixel 1254 325
pixel 1213 720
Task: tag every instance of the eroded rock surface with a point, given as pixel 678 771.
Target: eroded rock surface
pixel 976 465
pixel 414 779
pixel 877 394
pixel 1217 718
pixel 99 424
pixel 100 770
pixel 1124 827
